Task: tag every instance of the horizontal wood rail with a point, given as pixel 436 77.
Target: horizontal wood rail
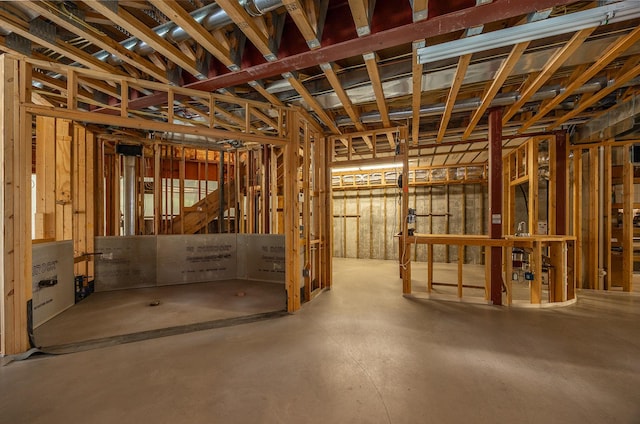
pixel 562 281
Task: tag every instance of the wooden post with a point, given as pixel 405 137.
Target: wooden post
pixel 406 252
pixel 15 190
pixel 63 156
pixel 45 177
pixel 532 170
pixel 594 220
pixel 327 212
pixel 495 201
pixel 157 188
pixel 561 184
pixel 606 219
pixel 577 214
pixel 627 223
pixel 292 213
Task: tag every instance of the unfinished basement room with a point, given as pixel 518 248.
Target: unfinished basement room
pixel 320 211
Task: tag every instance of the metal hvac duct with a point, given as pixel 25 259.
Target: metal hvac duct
pixel 470 104
pixel 211 17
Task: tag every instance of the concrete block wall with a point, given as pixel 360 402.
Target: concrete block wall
pixel 366 221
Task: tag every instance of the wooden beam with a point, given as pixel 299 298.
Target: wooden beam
pixel 620 80
pixel 57 16
pixel 143 32
pixel 271 98
pixel 361 13
pixel 332 77
pixel 248 26
pixel 609 55
pixel 312 102
pixel 627 223
pixel 303 22
pixel 420 10
pixel 371 61
pixel 461 70
pixel 13 24
pixel 292 214
pixel 501 76
pixel 15 215
pixel 549 69
pixel 141 124
pixel 416 91
pixel 184 20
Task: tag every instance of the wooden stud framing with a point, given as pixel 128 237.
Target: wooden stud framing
pixel 627 223
pixel 292 214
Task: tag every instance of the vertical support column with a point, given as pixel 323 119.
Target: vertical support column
pixel 63 156
pixel 306 210
pixel 577 214
pixel 266 183
pixel 607 218
pixel 129 186
pixel 157 189
pixel 221 193
pixel 292 213
pixel 495 202
pixel 15 206
pixel 561 189
pixel 405 251
pixel 532 172
pixel 45 178
pixel 327 201
pixel 627 223
pixel 593 245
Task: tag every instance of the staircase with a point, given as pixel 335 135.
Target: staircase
pixel 197 217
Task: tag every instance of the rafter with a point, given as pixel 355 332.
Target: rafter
pixel 371 61
pixel 270 97
pixel 347 104
pixel 302 21
pixel 361 12
pixel 13 24
pixel 626 74
pixel 552 65
pixel 461 71
pixel 184 20
pixel 420 10
pixel 56 16
pixel 501 76
pixel 608 56
pixel 312 102
pixel 143 32
pixel 248 26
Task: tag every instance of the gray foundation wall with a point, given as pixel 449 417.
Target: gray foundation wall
pixel 150 261
pixel 366 221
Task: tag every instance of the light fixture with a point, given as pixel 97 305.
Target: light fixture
pixel 603 15
pixel 372 167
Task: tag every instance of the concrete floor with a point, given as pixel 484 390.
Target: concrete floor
pixel 360 353
pixel 122 312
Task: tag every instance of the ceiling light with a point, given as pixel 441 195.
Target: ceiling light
pixel 611 13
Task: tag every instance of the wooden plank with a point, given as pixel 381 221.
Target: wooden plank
pixel 608 55
pixel 371 62
pixel 532 167
pixel 461 71
pixel 553 64
pixel 416 91
pixel 607 217
pixel 627 223
pixel 536 284
pixel 501 76
pixel 247 25
pixel 593 219
pixel 347 104
pixel 15 177
pixel 303 22
pixel 313 103
pixel 361 13
pixel 184 20
pixel 577 217
pixel 90 199
pixel 143 32
pixel 63 180
pixel 45 177
pixel 460 263
pixel 292 214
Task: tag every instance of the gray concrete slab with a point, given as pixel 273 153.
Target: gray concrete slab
pixel 360 353
pixel 115 313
